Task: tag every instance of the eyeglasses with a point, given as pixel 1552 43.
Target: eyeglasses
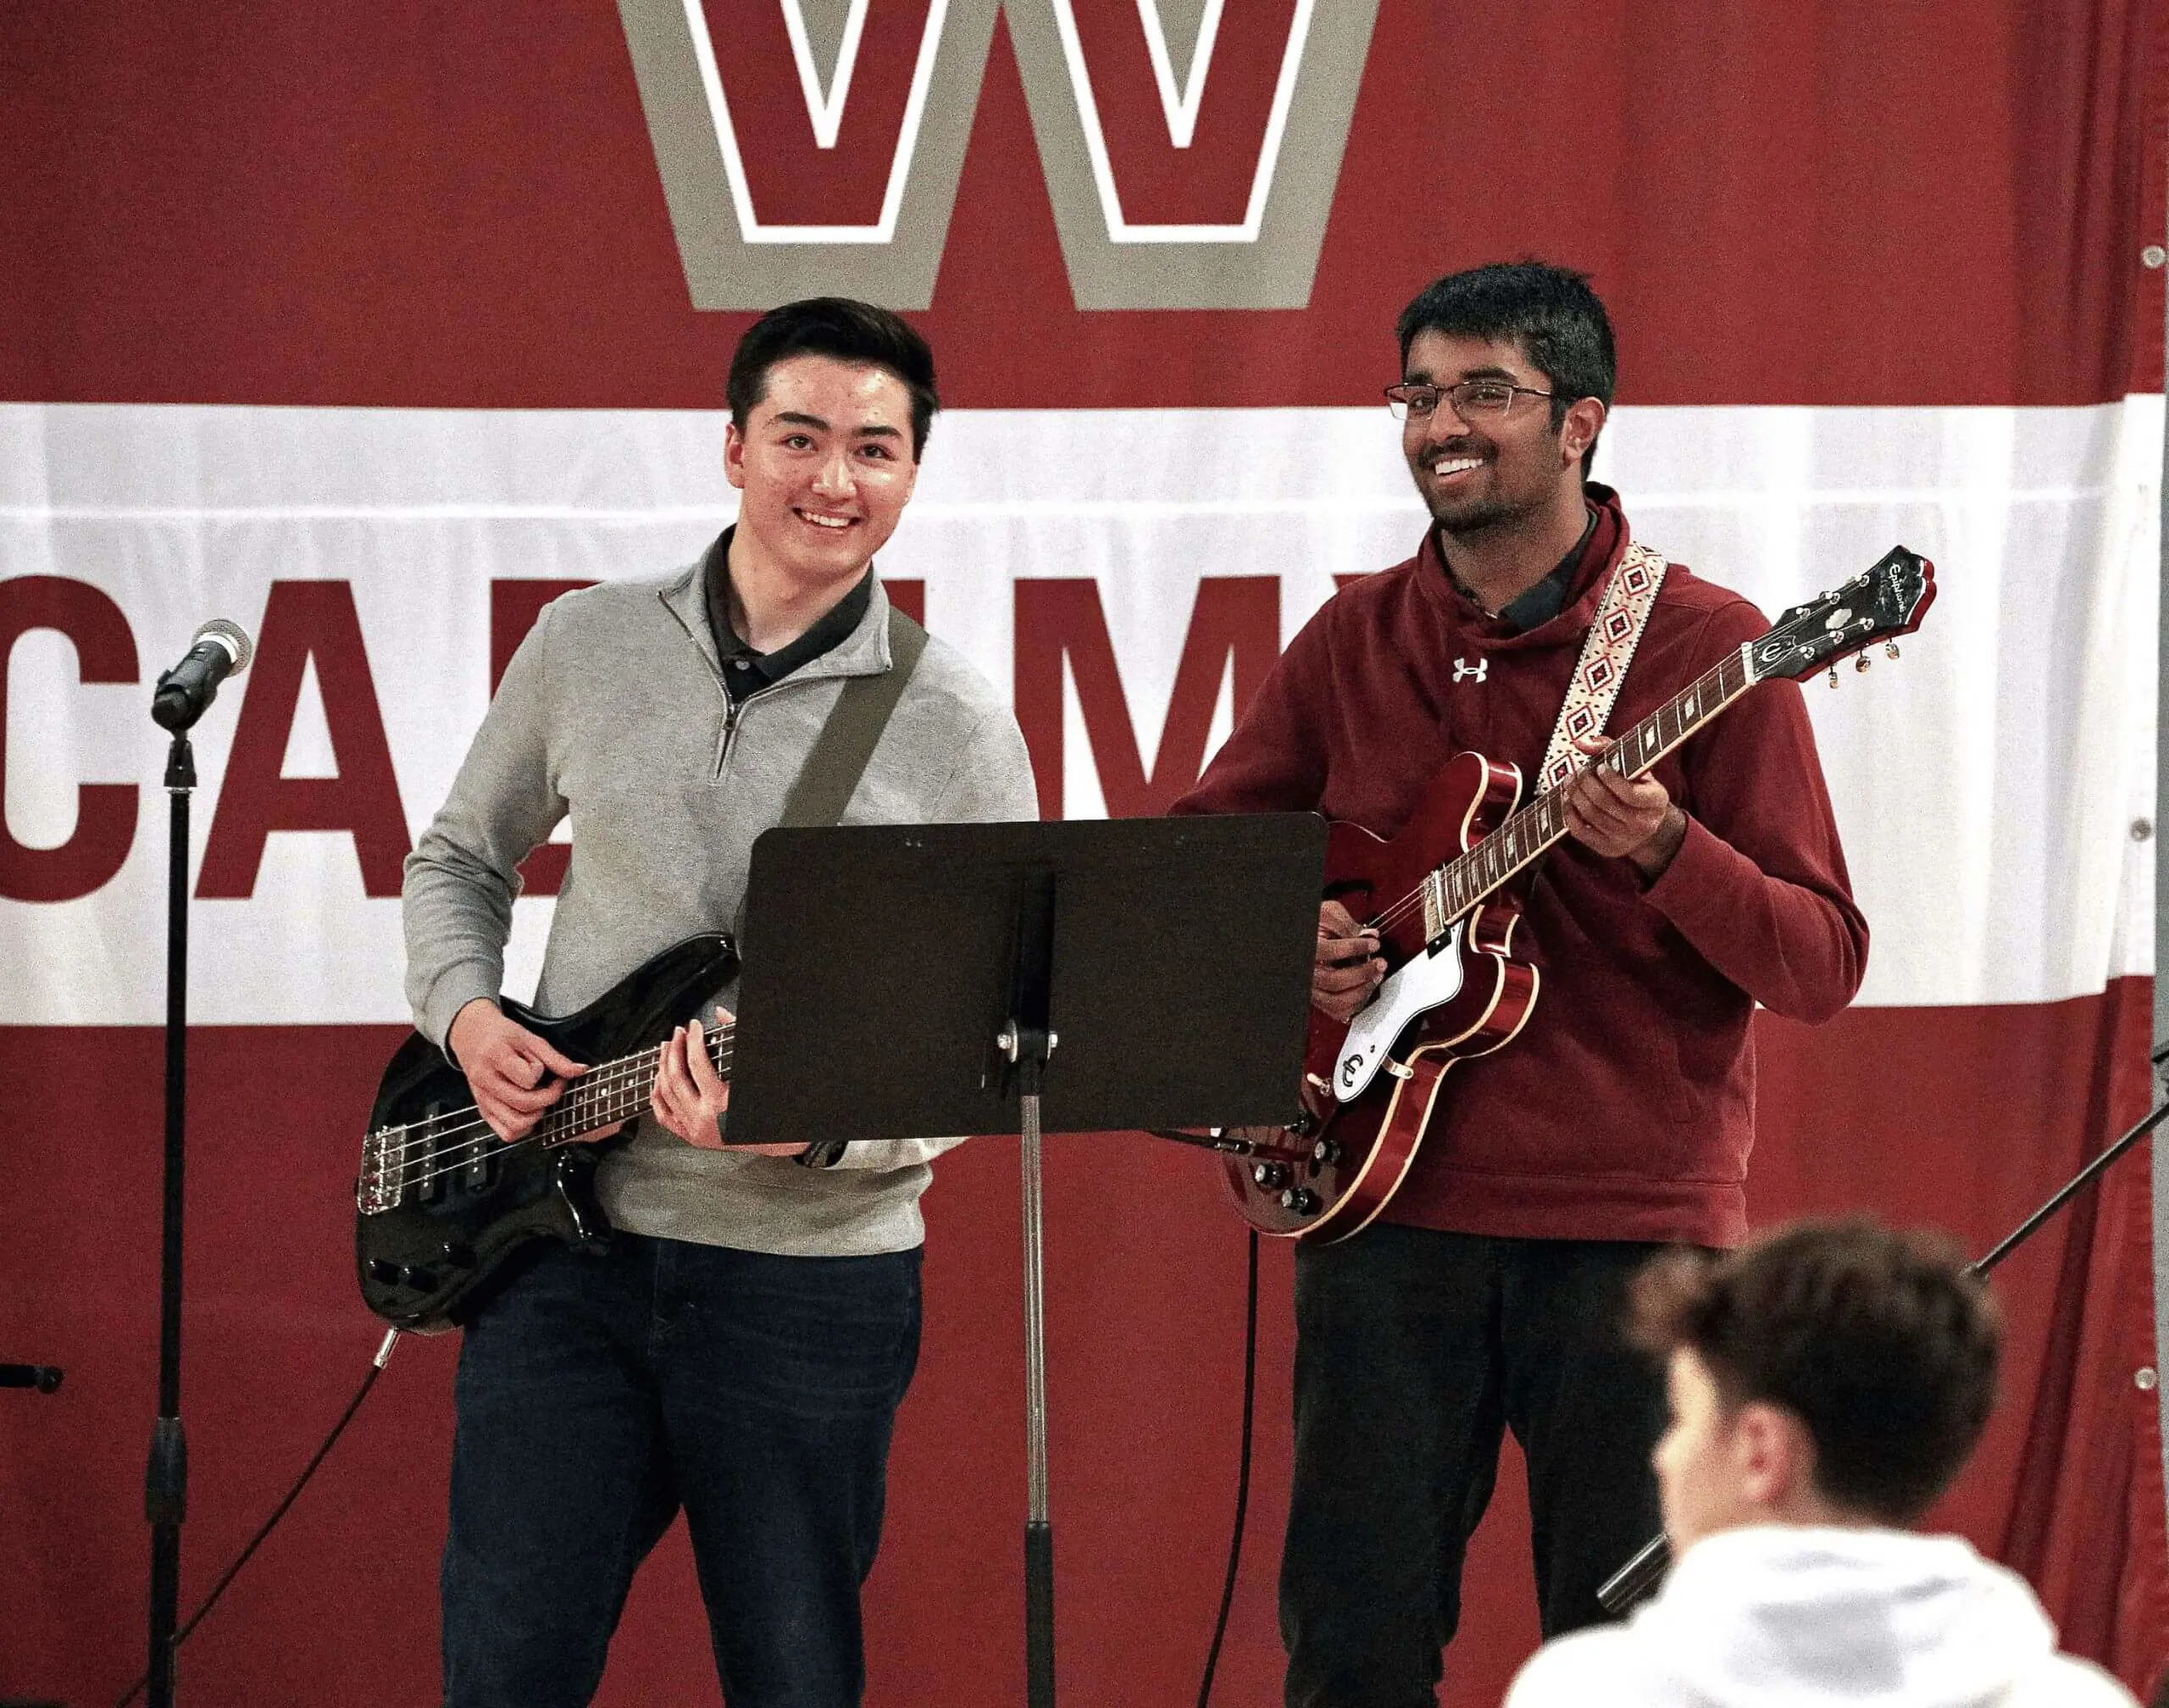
pixel 1470 397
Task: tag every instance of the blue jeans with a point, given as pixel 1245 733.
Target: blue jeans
pixel 597 1396
pixel 1415 1350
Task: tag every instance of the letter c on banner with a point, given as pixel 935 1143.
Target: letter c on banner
pixel 105 812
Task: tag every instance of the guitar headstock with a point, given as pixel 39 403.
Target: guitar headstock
pixel 1887 602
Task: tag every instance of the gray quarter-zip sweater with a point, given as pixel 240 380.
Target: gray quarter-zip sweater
pixel 612 713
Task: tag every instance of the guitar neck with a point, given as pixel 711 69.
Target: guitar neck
pixel 1454 889
pixel 618 1090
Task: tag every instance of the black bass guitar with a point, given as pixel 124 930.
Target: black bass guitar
pixel 443 1201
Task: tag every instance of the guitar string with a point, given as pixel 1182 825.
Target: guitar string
pixel 1413 901
pixel 488 1145
pixel 598 1110
pixel 479 1140
pixel 623 1069
pixel 614 1076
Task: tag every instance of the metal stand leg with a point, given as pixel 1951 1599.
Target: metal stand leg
pixel 1038 1534
pixel 165 1481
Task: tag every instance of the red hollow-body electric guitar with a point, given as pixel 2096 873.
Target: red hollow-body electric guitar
pixel 1442 898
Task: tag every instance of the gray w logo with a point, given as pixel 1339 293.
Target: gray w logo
pixel 733 260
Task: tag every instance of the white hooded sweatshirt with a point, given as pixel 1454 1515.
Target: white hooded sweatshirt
pixel 1785 1616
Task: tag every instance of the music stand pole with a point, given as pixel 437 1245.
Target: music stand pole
pixel 166 1479
pixel 1026 1044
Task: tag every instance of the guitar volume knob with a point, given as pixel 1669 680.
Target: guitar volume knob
pixel 1300 1199
pixel 1269 1177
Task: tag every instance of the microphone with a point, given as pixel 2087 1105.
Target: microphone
pixel 218 650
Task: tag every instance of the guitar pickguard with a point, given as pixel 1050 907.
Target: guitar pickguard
pixel 1420 985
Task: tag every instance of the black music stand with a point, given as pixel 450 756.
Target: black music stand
pixel 913 980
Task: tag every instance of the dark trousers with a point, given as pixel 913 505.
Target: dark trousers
pixel 598 1396
pixel 1414 1350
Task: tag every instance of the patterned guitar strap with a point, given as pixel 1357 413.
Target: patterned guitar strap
pixel 1621 616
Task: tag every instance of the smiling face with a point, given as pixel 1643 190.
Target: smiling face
pixel 1497 470
pixel 825 467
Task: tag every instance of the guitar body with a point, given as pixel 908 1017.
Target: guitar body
pixel 1369 1086
pixel 442 1203
pixel 1438 893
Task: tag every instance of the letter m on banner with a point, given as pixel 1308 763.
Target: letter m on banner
pixel 811 147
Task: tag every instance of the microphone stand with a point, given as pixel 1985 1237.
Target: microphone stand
pixel 1638 1579
pixel 165 1480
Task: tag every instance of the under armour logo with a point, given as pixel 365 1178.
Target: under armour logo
pixel 1463 668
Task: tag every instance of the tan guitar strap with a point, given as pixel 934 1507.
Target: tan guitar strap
pixel 1601 671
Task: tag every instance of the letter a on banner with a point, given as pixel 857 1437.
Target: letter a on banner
pixel 703 103
pixel 305 621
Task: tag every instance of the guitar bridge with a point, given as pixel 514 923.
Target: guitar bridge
pixel 1434 907
pixel 380 1186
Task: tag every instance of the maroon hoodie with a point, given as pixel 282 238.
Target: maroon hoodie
pixel 1625 1109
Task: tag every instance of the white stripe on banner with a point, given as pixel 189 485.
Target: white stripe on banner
pixel 1989 786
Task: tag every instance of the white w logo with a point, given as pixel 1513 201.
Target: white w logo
pixel 734 259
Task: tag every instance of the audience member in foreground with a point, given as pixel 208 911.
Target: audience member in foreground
pixel 1828 1381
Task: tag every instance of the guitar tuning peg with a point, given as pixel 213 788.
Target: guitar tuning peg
pixel 1890 649
pixel 1860 663
pixel 1834 675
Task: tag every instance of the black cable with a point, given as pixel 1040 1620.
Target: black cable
pixel 1242 1480
pixel 377 1369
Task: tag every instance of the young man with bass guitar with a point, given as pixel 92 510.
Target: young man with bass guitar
pixel 740 1350
pixel 1618 1118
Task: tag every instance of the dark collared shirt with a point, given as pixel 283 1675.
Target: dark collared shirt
pixel 1538 604
pixel 745 671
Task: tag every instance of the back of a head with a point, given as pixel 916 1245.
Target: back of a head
pixel 1882 1344
pixel 846 329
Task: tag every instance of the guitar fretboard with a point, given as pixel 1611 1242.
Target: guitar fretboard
pixel 414 1156
pixel 618 1090
pixel 1453 889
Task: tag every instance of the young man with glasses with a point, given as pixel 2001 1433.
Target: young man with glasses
pixel 1619 1120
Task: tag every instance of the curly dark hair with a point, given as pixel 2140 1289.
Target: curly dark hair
pixel 846 329
pixel 1884 1344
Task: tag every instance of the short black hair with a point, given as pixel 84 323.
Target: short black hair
pixel 1549 312
pixel 1883 1344
pixel 843 328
